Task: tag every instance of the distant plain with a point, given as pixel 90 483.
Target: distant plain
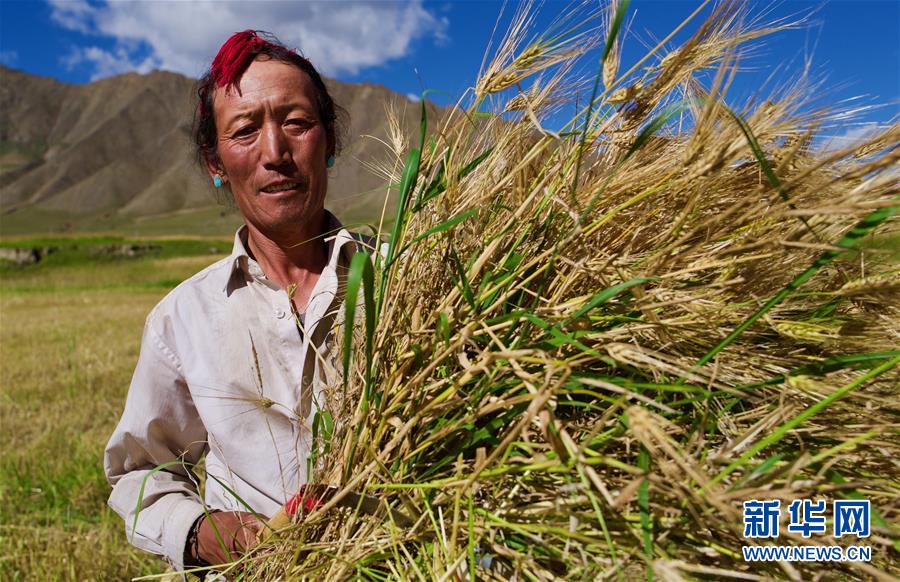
pixel 70 333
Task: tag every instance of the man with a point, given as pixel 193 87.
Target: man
pixel 234 361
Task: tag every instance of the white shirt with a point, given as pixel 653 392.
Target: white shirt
pixel 196 390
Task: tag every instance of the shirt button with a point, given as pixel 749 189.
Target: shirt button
pixel 279 313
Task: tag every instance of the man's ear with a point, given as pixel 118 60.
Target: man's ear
pixel 214 167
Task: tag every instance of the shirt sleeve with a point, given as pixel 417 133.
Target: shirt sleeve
pixel 149 457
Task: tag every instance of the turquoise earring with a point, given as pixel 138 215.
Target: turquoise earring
pixel 217 181
pixel 329 161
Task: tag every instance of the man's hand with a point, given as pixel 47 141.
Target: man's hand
pixel 237 529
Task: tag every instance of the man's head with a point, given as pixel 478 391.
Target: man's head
pixel 266 126
pixel 230 64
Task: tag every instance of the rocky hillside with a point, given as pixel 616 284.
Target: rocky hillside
pixel 116 151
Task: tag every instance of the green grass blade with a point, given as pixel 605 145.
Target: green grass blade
pixel 410 172
pixel 470 167
pixel 608 294
pixel 464 285
pixel 826 367
pixel 643 496
pixel 237 497
pixel 360 273
pixel 621 9
pixel 760 156
pixel 649 130
pixel 368 278
pixel 314 451
pixel 443 328
pixel 619 17
pixel 407 182
pixel 150 473
pixel 561 338
pixel 471 541
pixel 758 152
pixel 439 183
pixel 351 297
pixel 877 519
pixel 793 423
pixel 601 520
pixel 446 225
pixel 761 469
pixel 240 500
pixel 218 534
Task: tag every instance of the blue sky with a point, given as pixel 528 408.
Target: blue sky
pixel 854 45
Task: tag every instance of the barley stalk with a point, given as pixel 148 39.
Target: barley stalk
pixel 586 348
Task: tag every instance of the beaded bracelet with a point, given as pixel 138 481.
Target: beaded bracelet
pixel 192 545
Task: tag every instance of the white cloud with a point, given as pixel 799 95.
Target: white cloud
pixel 850 136
pixel 107 63
pixel 72 14
pixel 337 36
pixel 8 58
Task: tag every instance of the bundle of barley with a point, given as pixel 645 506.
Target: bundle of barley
pixel 585 349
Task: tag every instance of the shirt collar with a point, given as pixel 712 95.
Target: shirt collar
pixel 342 245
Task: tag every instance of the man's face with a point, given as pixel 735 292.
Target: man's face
pixel 273 147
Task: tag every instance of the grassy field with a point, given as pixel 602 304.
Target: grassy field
pixel 70 332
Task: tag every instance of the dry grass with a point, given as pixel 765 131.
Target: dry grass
pixel 69 339
pixel 614 335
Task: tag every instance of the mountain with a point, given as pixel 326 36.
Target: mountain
pixel 116 153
